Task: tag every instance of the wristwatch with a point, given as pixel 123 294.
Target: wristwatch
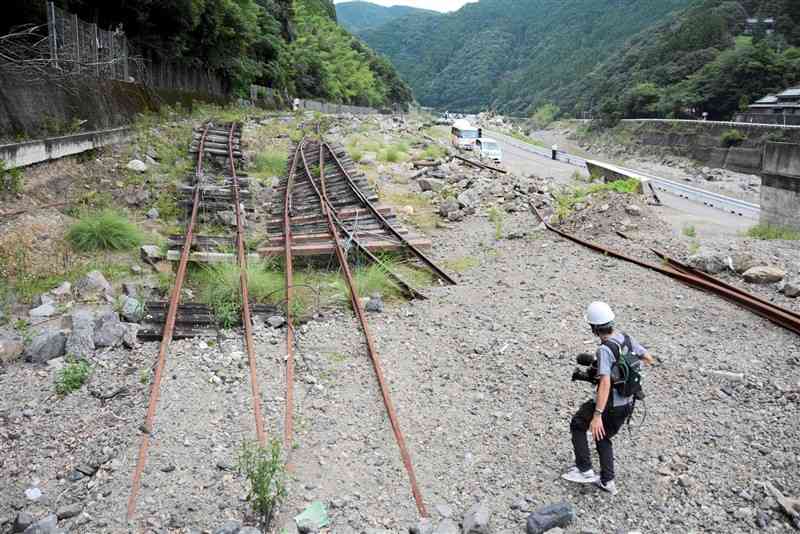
pixel 598 412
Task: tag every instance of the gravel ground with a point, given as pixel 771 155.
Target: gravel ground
pixel 480 375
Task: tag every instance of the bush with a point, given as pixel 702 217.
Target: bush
pixel 106 230
pixel 11 180
pixel 769 232
pixel 732 137
pixel 689 231
pixel 545 115
pixel 72 377
pixel 266 478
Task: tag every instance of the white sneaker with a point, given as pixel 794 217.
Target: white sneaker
pixel 581 477
pixel 609 486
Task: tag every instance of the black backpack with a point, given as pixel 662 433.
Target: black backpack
pixel 625 377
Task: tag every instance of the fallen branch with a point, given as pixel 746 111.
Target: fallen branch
pixel 42 207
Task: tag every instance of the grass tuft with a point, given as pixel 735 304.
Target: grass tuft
pixel 769 232
pixel 270 163
pixel 106 230
pixel 72 377
pixel 689 231
pixel 566 199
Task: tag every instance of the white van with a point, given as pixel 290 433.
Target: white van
pixel 488 149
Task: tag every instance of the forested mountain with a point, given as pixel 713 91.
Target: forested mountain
pixel 294 46
pixel 707 58
pixel 628 57
pixel 357 17
pixel 514 53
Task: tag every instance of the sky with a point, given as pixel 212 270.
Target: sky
pixel 438 5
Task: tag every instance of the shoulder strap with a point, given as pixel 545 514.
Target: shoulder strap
pixel 614 347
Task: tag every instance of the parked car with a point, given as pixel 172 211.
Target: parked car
pixel 488 149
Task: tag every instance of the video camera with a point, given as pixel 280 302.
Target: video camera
pixel 590 374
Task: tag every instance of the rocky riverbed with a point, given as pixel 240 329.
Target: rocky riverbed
pixel 480 376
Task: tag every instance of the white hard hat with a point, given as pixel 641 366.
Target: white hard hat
pixel 599 313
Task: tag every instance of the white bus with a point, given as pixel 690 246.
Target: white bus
pixel 463 135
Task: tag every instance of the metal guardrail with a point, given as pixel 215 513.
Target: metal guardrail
pixel 707 198
pixel 718 123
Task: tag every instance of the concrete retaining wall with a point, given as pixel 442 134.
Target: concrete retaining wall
pixel 36 110
pixel 30 152
pixel 780 185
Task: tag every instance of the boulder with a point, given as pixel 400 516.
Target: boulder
pixel 46 346
pixel 764 275
pixel 108 329
pixel 22 521
pixel 152 214
pixel 45 310
pixel 369 158
pixel 448 205
pixel 11 347
pixel 430 184
pixel 455 216
pixel 791 288
pixel 708 262
pixel 374 304
pixel 150 253
pixel 633 210
pixel 136 165
pixel 132 310
pixel 62 290
pixel 47 525
pixel 740 262
pixel 549 517
pixel 476 520
pixel 80 342
pixel 130 337
pixel 92 286
pixel 71 510
pixel 276 321
pixel 469 199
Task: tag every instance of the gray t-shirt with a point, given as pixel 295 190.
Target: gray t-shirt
pixel 605 359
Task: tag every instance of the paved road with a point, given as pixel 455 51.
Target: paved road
pixel 522 158
pixel 520 161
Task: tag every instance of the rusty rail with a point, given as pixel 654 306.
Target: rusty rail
pixel 479 165
pixel 246 319
pixel 776 314
pixel 166 337
pixel 359 311
pixel 371 207
pixel 288 425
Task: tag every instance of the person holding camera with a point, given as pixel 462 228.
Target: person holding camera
pixel 614 370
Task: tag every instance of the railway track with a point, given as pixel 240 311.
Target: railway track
pixel 323 207
pixel 325 202
pixel 205 192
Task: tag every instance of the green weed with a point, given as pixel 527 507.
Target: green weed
pixel 11 180
pixel 433 152
pixel 770 232
pixel 106 230
pixel 265 473
pixel 567 198
pixel 270 163
pixel 72 376
pixel 496 217
pixel 689 231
